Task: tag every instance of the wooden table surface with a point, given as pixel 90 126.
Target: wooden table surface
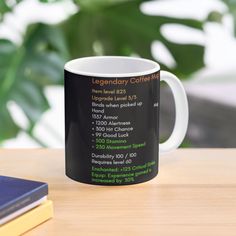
pixel 194 194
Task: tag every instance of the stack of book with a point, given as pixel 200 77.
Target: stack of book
pixel 23 205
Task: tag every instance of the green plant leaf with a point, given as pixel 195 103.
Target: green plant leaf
pixel 7 6
pixel 8 128
pixel 92 5
pixel 232 10
pixel 4 7
pixel 122 29
pixel 49 1
pixel 26 70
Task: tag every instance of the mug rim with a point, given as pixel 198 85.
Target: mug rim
pixel 69 66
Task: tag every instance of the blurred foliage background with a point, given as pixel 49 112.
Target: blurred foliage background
pixel 97 27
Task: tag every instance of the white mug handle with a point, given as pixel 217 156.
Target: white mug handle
pixel 181 113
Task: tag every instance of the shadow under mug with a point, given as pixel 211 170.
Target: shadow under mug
pixel 112 119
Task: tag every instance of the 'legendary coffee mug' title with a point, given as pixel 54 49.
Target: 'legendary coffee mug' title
pixel 132 80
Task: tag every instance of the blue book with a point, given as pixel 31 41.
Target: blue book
pixel 17 194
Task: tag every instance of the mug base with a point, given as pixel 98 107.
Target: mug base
pixel 112 184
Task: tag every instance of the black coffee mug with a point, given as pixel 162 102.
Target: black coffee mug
pixel 112 119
